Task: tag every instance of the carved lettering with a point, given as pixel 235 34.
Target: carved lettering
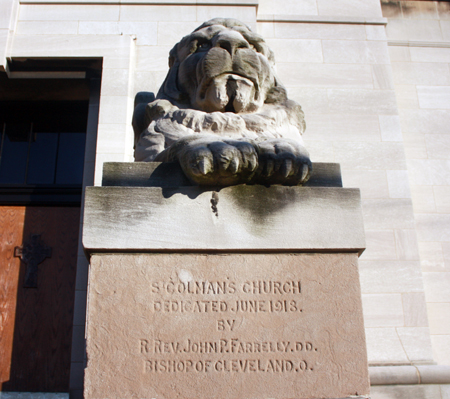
pixel 224 325
pixel 194 287
pixel 236 306
pixel 222 298
pixel 261 287
pixel 232 345
pixel 227 366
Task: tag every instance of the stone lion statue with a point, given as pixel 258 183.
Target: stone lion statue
pixel 222 113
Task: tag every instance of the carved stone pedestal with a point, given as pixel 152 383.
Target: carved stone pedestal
pixel 242 292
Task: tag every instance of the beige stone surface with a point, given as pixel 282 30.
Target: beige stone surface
pixel 415 147
pixel 239 218
pixel 436 285
pixel 384 346
pixel 6 10
pixel 376 32
pixel 438 147
pixel 432 257
pixel 424 121
pixel 416 343
pixel 173 325
pixel 294 50
pixel 320 31
pixel 363 101
pixel 380 245
pixel 372 183
pixel 439 321
pixel 3 47
pixel 40 33
pixel 306 7
pixel 47 27
pixel 423 73
pixel 354 52
pixel 157 13
pixel 441 348
pixel 406 243
pixel 388 213
pixel 398 54
pixel 398 184
pixel 433 227
pixel 369 155
pixel 390 276
pixel 406 391
pixel 382 77
pixel 406 96
pixel 325 75
pixel 420 30
pixel 244 14
pixel 366 8
pixel 429 172
pixel 382 310
pixel 69 12
pixel 434 97
pixel 430 54
pixel 415 311
pixel 343 127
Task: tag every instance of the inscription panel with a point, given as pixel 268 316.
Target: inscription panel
pixel 225 326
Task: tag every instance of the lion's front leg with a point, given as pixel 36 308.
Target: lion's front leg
pixel 211 160
pixel 218 161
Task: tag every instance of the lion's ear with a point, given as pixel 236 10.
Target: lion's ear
pixel 169 88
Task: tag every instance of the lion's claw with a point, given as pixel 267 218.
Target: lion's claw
pixel 215 161
pixel 283 161
pixel 209 160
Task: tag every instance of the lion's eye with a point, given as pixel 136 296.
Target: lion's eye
pixel 204 46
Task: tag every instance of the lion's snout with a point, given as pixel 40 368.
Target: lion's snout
pixel 230 41
pixel 228 92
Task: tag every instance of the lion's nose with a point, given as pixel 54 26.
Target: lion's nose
pixel 231 41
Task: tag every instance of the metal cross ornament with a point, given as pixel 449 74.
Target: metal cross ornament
pixel 32 253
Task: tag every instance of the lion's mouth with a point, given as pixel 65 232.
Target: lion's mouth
pixel 229 92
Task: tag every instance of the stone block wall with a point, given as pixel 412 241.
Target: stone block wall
pixel 373 79
pixel 419 44
pixel 338 68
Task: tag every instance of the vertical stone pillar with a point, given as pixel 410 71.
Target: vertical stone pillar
pixel 239 292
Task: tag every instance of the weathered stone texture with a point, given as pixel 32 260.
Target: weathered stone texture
pixel 248 218
pixel 302 336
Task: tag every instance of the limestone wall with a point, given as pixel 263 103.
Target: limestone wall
pixel 341 74
pixel 376 104
pixel 419 45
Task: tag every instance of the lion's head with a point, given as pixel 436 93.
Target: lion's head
pixel 221 86
pixel 222 66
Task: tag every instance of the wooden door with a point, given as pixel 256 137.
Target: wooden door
pixel 36 323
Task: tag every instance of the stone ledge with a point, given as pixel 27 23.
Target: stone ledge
pixel 149 2
pixel 407 43
pixel 322 19
pixel 158 174
pixel 409 375
pixel 231 219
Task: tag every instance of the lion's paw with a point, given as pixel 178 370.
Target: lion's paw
pixel 220 162
pixel 283 161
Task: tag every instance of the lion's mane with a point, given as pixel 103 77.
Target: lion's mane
pixel 171 116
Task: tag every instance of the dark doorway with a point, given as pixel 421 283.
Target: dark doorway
pixel 43 134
